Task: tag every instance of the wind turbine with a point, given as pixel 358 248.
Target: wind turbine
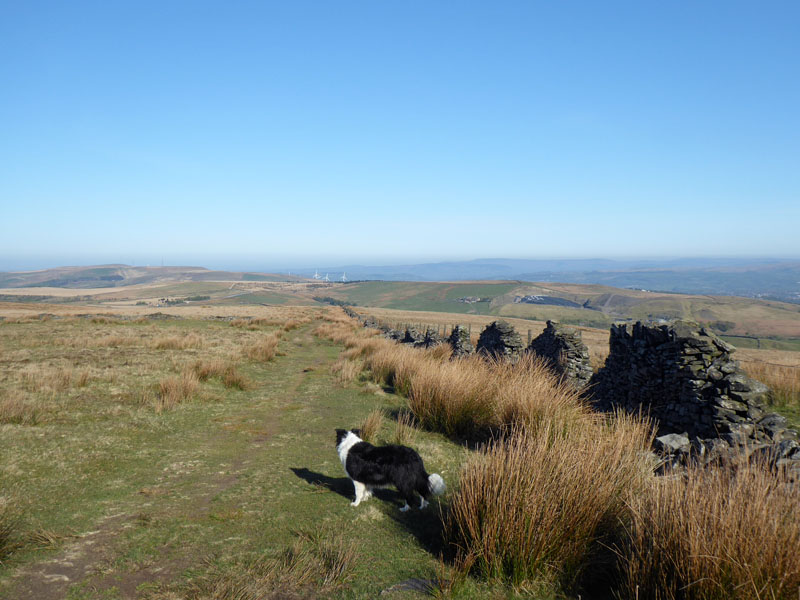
pixel 316 274
pixel 326 277
pixel 344 277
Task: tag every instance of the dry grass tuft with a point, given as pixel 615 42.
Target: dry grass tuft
pixel 176 342
pixel 535 507
pixel 223 369
pixel 372 425
pixel 346 371
pixel 722 533
pixel 15 409
pixel 176 389
pixel 263 350
pixel 405 431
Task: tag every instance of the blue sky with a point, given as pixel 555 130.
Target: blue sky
pixel 283 134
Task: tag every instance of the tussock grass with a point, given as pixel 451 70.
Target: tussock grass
pixel 404 431
pixel 721 533
pixel 264 349
pixel 372 425
pixel 176 389
pixel 346 371
pixel 294 324
pixel 15 408
pixel 315 563
pixel 470 397
pixel 178 342
pixel 42 378
pixel 224 369
pixel 537 506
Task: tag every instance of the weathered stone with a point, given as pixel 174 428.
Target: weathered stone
pixel 564 352
pixel 500 341
pixel 460 342
pixel 672 442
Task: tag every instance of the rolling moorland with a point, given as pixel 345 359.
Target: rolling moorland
pixel 174 439
pixel 188 453
pixel 746 322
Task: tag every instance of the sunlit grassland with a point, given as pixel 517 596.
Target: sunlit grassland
pixel 193 484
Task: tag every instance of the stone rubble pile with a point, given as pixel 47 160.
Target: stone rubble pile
pixel 500 341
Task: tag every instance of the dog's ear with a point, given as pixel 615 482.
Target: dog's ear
pixel 357 432
pixel 340 435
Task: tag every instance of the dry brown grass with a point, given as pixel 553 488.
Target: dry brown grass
pixel 264 349
pixel 43 378
pixel 346 371
pixel 715 534
pixel 372 425
pixel 783 380
pixel 405 431
pixel 224 369
pixel 178 342
pixel 15 408
pixel 176 389
pixel 536 507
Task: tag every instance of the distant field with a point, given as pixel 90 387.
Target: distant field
pixel 775 324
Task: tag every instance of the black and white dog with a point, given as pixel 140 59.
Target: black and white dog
pixel 380 466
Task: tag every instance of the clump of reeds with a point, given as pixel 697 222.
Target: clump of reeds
pixel 264 349
pixel 226 371
pixel 346 371
pixel 14 408
pixel 372 425
pixel 405 430
pixel 536 507
pixel 175 389
pixel 729 533
pixel 178 342
pixel 36 378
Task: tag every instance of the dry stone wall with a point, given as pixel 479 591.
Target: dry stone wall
pixel 500 340
pixel 685 378
pixel 563 350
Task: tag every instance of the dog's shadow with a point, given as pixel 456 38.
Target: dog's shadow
pixel 344 486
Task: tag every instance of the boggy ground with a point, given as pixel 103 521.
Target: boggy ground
pixel 120 496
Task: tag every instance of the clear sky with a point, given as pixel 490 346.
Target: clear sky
pixel 301 133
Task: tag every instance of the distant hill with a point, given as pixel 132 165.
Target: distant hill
pixel 123 275
pixel 753 278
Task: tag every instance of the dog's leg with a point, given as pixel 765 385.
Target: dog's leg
pixel 368 493
pixel 361 490
pixel 405 507
pixel 422 503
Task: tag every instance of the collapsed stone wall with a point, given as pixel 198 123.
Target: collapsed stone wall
pixel 686 379
pixel 563 350
pixel 499 340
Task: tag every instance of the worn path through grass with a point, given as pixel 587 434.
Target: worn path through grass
pixel 194 494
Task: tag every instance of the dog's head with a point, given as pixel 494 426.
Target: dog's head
pixel 342 433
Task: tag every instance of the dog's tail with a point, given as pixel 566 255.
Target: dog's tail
pixel 436 484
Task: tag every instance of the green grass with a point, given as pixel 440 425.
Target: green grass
pixel 205 489
pixel 422 296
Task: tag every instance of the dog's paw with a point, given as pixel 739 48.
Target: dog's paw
pixel 354 504
pixel 423 503
pixel 405 508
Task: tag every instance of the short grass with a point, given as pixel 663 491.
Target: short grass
pixel 130 498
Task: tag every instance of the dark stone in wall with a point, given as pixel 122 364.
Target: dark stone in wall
pixel 499 340
pixel 563 350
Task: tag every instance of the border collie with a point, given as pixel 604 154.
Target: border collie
pixel 379 466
